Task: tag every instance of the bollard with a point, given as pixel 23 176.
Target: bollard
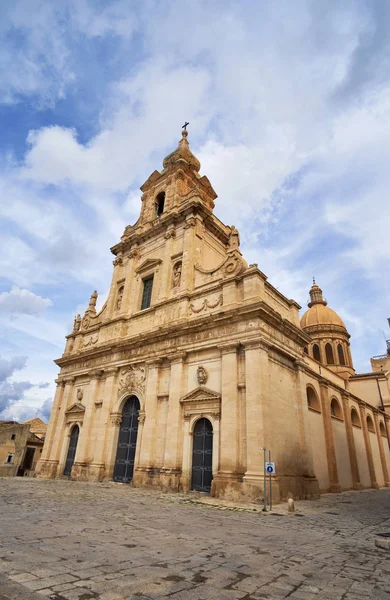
pixel 290 503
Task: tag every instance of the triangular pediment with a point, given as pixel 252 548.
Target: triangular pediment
pixel 201 393
pixel 77 407
pixel 150 263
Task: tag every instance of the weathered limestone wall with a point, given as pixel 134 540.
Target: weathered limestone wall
pixel 318 449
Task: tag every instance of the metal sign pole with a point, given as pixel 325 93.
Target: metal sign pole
pixel 270 482
pixel 265 480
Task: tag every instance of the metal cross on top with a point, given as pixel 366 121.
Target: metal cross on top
pixel 185 126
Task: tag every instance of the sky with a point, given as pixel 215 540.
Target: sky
pixel 289 110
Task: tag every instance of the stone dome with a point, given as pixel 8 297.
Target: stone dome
pixel 319 313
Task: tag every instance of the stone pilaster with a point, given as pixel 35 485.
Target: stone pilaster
pixel 166 267
pixel 46 466
pixel 227 478
pixel 356 483
pixel 334 484
pixel 84 456
pixel 98 468
pixel 310 482
pixel 188 254
pixel 367 442
pixel 59 436
pixel 381 450
pixel 144 470
pixel 256 365
pixel 173 456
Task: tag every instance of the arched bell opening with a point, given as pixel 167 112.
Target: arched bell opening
pixel 202 456
pixel 127 441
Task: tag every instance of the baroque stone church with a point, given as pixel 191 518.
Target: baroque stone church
pixel 196 363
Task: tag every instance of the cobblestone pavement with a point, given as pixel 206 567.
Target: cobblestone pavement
pixel 70 540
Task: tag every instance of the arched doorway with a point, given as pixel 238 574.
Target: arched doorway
pixel 202 456
pixel 74 438
pixel 127 441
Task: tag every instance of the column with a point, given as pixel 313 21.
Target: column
pixel 381 450
pixel 229 413
pixel 366 435
pixel 311 487
pixel 146 456
pixel 188 254
pixel 101 453
pixel 166 267
pixel 256 364
pixel 356 484
pixel 329 439
pixel 84 452
pixel 46 466
pixel 59 437
pixel 172 455
pixel 186 460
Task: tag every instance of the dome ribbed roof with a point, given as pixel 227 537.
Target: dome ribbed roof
pixel 318 314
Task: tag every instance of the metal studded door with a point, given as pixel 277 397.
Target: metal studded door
pixel 74 437
pixel 127 441
pixel 202 456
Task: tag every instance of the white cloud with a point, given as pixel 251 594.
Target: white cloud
pixel 21 301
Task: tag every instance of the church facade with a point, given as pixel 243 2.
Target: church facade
pixel 196 363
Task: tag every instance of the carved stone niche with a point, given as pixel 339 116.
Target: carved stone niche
pixel 201 401
pixel 75 413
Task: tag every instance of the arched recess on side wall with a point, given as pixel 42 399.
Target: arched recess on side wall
pixel 335 409
pixel 355 419
pixel 313 401
pixel 316 437
pixel 343 461
pixel 370 424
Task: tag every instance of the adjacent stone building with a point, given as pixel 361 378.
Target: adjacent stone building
pixel 21 446
pixel 196 363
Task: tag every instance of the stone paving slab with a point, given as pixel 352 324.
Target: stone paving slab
pixel 67 540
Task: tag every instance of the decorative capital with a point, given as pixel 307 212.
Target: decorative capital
pixel 299 364
pixel 96 374
pixel 116 418
pixel 177 357
pixel 60 382
pixel 257 344
pixel 191 222
pixel 228 348
pixel 133 253
pixel 118 260
pixel 110 371
pixel 170 233
pixel 69 380
pixel 141 417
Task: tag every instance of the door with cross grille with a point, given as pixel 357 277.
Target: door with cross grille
pixel 127 441
pixel 74 438
pixel 202 456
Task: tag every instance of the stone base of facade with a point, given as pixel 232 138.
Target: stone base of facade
pixel 87 471
pixel 147 477
pixel 46 469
